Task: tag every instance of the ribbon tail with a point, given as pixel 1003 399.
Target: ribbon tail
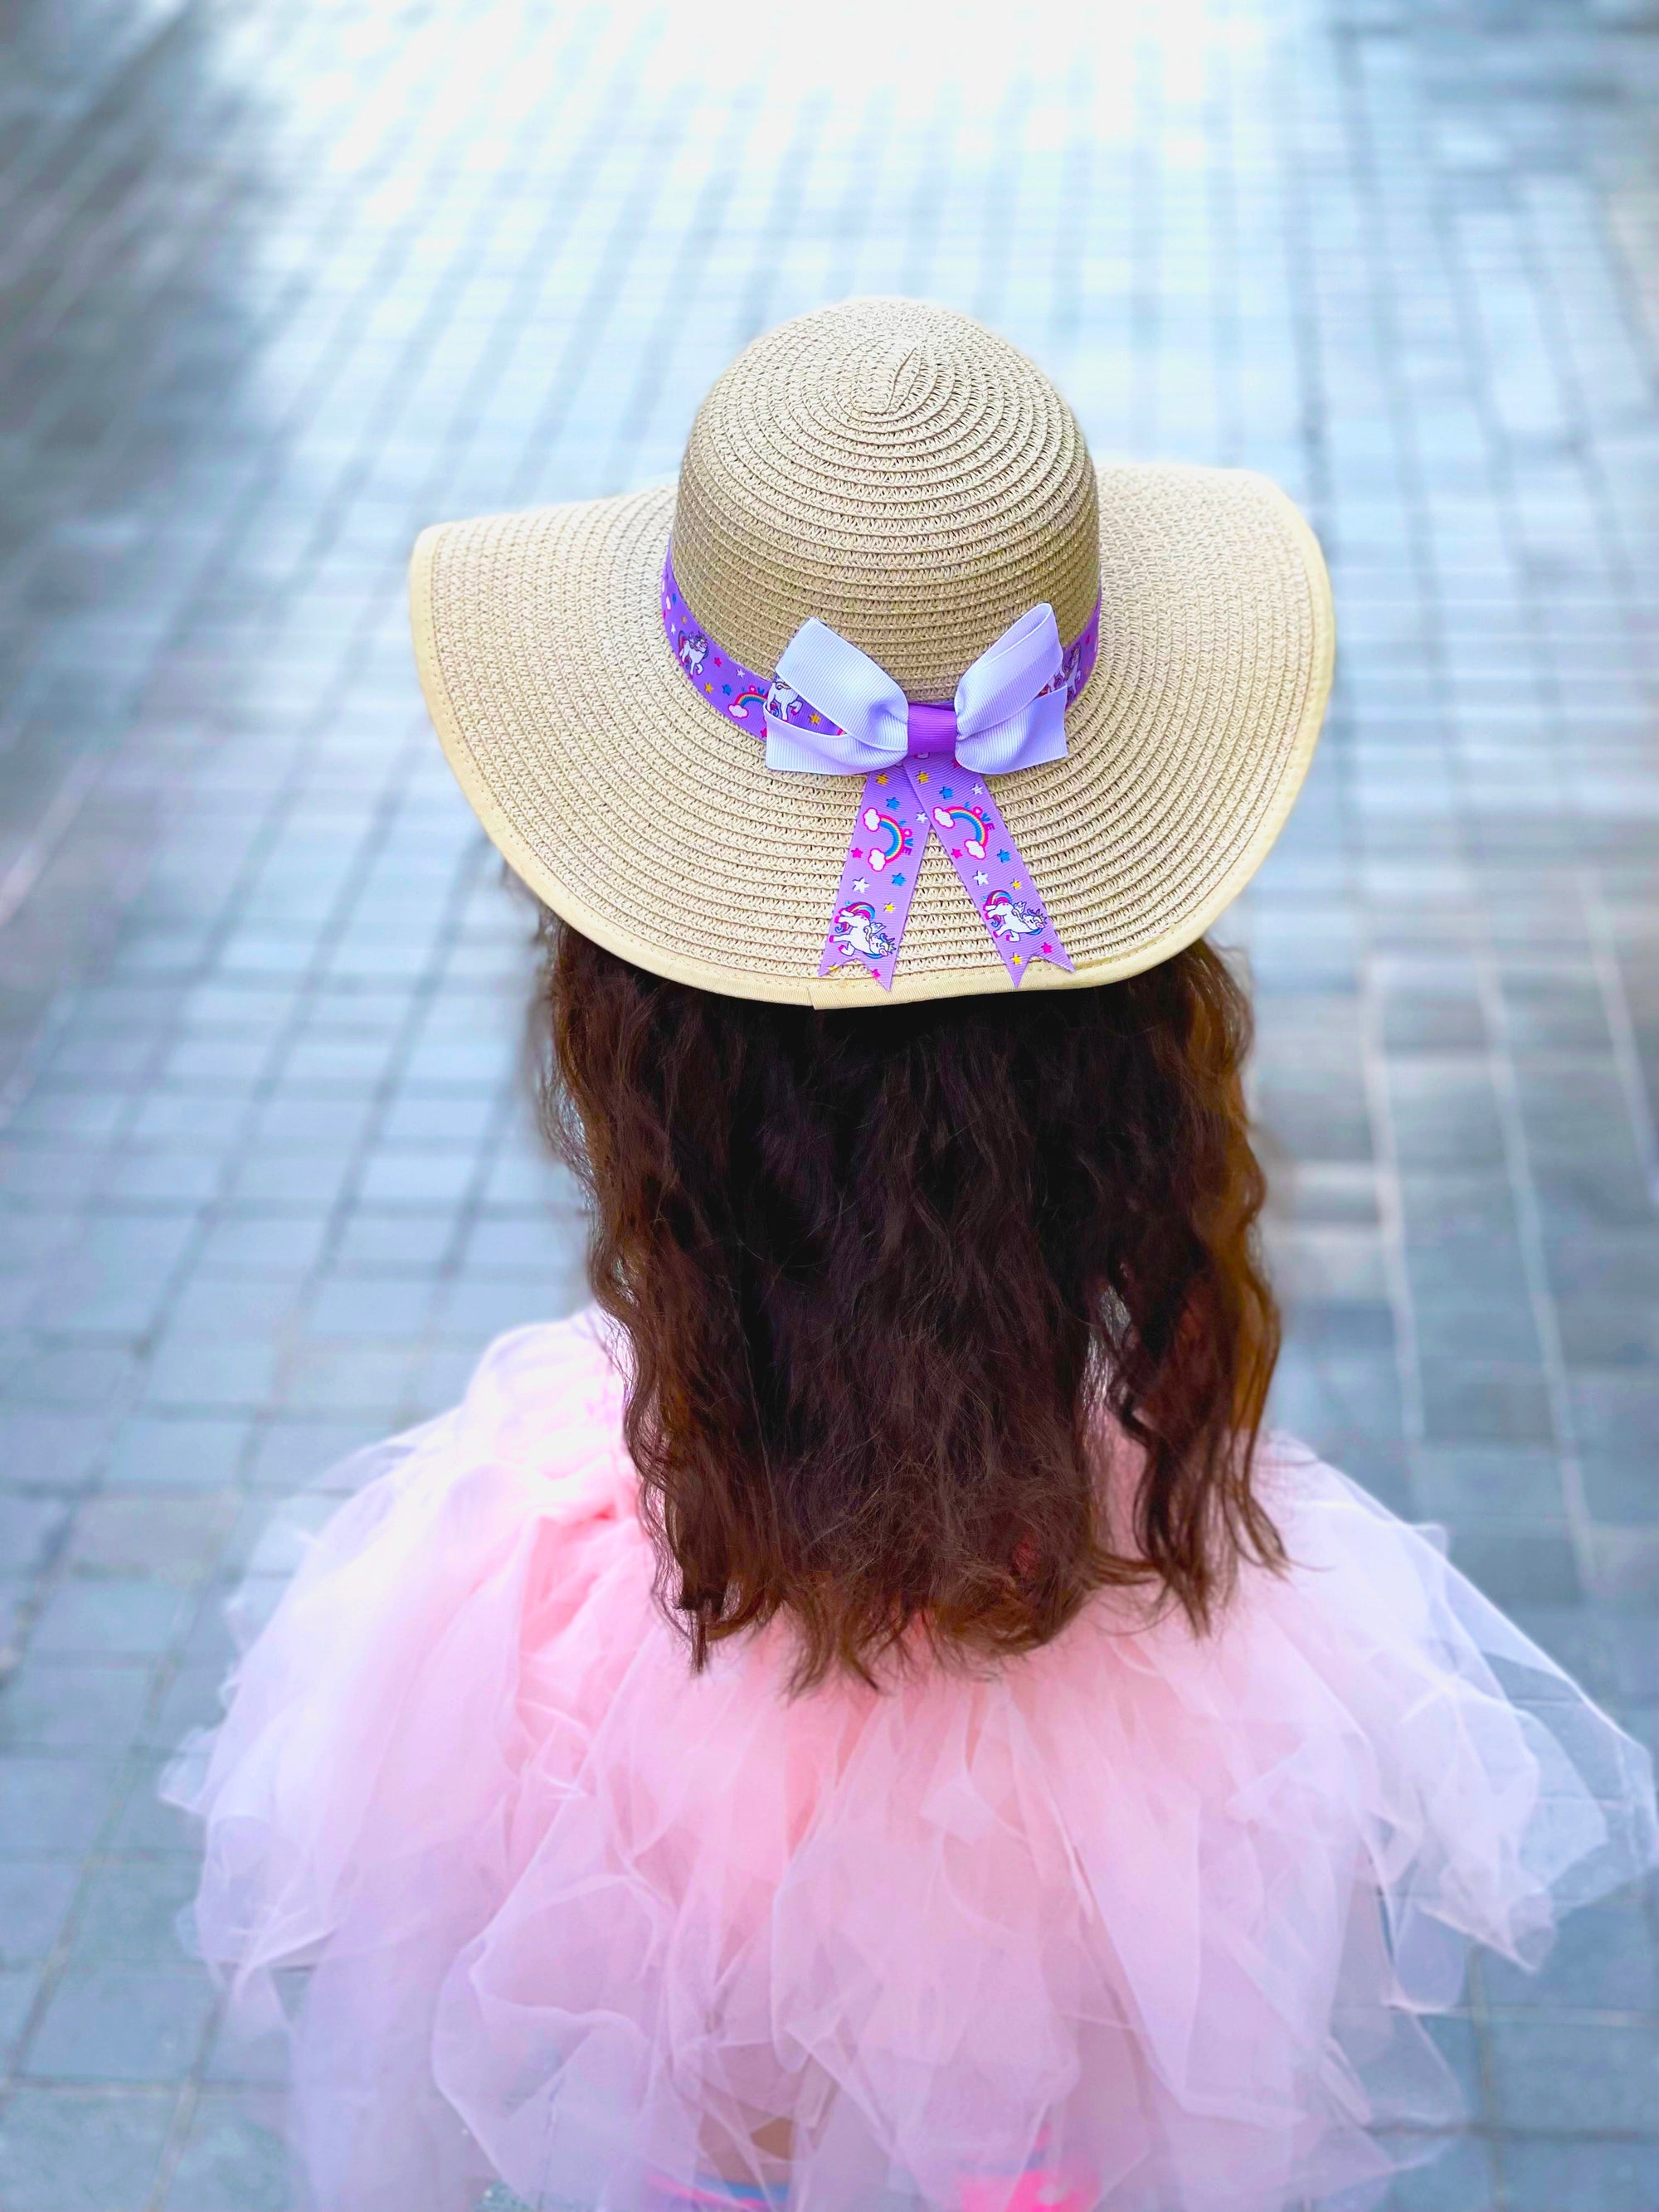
pixel 959 804
pixel 877 879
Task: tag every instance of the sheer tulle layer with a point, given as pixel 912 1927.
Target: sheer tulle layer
pixel 1141 1921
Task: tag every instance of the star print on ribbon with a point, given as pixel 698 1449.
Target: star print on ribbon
pixel 830 710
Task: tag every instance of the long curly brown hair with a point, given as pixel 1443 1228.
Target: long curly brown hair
pixel 889 1278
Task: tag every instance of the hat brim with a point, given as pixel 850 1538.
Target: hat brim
pixel 644 815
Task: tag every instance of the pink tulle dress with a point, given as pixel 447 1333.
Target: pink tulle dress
pixel 1141 1922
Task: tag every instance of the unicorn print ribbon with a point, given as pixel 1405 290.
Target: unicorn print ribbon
pixel 830 710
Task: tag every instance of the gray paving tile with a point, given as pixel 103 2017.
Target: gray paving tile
pixel 299 1176
pixel 81 2151
pixel 1486 1404
pixel 388 1244
pixel 31 1531
pixel 1604 1960
pixel 1318 1114
pixel 160 1175
pixel 345 1308
pixel 1520 1566
pixel 140 1823
pixel 1619 1264
pixel 130 1911
pixel 483 1306
pixel 1477 1484
pixel 19 1988
pixel 54 1450
pixel 55 1803
pixel 1591 1196
pixel 191 1699
pixel 35 1892
pixel 1455 2176
pixel 367 1379
pixel 72 1704
pixel 295 1452
pixel 248 1307
pixel 216 1377
pixel 1579 2076
pixel 405 1175
pixel 154 1452
pixel 522 1244
pixel 233 2155
pixel 119 2024
pixel 1445 1116
pixel 125 1616
pixel 240 1246
pixel 115 1280
pixel 1498 1330
pixel 1610 1332
pixel 1336 1402
pixel 1540 2175
pixel 170 1539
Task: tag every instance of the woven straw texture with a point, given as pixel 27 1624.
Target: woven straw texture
pixel 918 484
pixel 898 471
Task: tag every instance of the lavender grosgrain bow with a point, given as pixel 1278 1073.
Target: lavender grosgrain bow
pixel 1006 714
pixel 830 710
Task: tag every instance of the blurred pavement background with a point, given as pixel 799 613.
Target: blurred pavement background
pixel 281 281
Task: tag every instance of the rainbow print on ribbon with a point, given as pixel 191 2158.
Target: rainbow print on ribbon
pixel 968 823
pixel 873 900
pixel 891 841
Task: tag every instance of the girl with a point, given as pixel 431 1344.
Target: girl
pixel 863 1717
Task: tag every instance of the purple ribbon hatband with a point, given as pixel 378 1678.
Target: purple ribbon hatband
pixel 829 709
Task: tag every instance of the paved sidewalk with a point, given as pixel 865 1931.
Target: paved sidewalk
pixel 281 281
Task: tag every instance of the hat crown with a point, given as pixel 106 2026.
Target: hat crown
pixel 899 472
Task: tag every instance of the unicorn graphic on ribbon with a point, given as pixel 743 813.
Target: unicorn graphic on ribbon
pixel 855 929
pixel 1006 918
pixel 693 651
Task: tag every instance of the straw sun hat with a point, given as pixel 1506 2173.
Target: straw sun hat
pixel 898 473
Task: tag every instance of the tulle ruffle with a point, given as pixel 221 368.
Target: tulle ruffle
pixel 1142 1923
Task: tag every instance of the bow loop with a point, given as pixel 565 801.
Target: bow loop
pixel 1011 713
pixel 864 716
pixel 1009 675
